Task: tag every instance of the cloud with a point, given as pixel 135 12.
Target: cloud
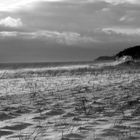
pixel 122 31
pixel 8 34
pixel 12 5
pixel 127 19
pixel 68 38
pixel 105 10
pixel 56 19
pixel 107 1
pixel 11 22
pixel 116 2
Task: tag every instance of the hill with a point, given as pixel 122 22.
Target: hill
pixel 134 52
pixel 104 58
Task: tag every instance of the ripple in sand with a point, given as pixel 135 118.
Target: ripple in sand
pixel 4 133
pixel 5 116
pixel 17 127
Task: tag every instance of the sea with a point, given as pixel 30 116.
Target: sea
pixel 14 66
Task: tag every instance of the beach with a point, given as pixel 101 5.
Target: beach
pixel 79 102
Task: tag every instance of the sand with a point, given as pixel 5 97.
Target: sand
pixel 88 105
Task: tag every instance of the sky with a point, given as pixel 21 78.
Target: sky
pixel 66 30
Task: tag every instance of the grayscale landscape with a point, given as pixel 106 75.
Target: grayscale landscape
pixel 69 69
